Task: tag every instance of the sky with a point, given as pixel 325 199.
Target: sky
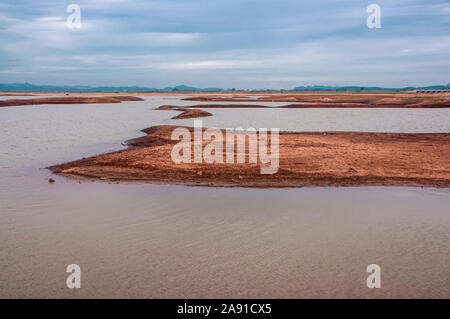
pixel 245 44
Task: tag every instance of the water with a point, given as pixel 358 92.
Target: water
pixel 393 120
pixel 142 240
pixel 326 119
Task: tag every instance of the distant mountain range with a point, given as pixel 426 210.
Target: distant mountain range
pixel 367 88
pixel 21 87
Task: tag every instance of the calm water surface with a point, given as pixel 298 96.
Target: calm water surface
pixel 142 240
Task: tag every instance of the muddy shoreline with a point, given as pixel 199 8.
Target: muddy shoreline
pixel 329 100
pixel 306 159
pixel 292 100
pixel 68 100
pixel 186 112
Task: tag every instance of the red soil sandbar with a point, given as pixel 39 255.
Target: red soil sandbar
pixel 187 112
pixel 306 159
pixel 191 113
pixel 69 100
pixel 373 100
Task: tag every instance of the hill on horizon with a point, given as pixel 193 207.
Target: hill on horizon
pixel 24 87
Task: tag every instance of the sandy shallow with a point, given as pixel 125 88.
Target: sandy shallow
pixel 306 159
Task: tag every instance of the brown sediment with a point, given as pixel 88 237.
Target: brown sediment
pixel 187 112
pixel 227 106
pixel 344 100
pixel 345 104
pixel 191 113
pixel 210 106
pixel 17 94
pixel 306 159
pixel 69 100
pixel 363 105
pixel 167 107
pixel 222 98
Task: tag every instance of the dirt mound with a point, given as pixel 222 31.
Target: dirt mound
pixel 306 159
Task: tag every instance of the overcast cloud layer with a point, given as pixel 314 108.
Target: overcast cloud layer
pixel 225 43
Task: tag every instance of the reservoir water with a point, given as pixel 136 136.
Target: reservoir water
pixel 163 241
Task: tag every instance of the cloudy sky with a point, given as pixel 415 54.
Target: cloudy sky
pixel 225 43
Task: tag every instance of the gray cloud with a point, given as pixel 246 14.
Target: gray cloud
pixel 226 43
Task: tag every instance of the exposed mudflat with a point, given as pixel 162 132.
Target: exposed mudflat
pixel 360 100
pixel 306 159
pixel 191 113
pixel 187 112
pixel 69 100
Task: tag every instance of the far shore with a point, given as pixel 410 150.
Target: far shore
pixel 188 113
pixel 333 100
pixel 292 99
